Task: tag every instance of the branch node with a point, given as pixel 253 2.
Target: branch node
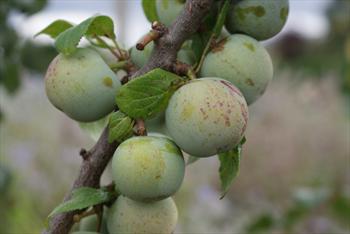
pixel 145 40
pixel 158 26
pixel 84 154
pixel 158 30
pixel 181 68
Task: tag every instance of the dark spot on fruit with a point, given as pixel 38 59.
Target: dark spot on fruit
pixel 107 81
pixel 219 46
pixel 227 121
pixel 258 11
pixel 249 82
pixel 205 115
pixel 283 14
pixel 157 177
pixel 249 46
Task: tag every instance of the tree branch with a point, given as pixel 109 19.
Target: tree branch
pixel 163 56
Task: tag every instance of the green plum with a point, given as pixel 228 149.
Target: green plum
pixel 148 168
pixel 105 54
pixel 168 10
pixel 259 19
pixel 157 124
pixel 207 116
pixel 82 85
pixel 140 57
pixel 244 62
pixel 129 216
pixel 90 223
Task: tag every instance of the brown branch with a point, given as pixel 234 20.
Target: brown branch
pixel 166 47
pixel 163 56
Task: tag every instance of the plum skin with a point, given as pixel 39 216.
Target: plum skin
pixel 211 121
pixel 81 85
pixel 168 10
pixel 129 216
pixel 259 19
pixel 148 168
pixel 89 224
pixel 140 57
pixel 157 124
pixel 244 62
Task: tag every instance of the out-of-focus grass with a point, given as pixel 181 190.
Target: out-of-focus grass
pixel 298 137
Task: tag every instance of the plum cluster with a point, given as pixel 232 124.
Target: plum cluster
pixel 204 117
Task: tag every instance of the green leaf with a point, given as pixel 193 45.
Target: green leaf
pixel 220 21
pixel 83 198
pixel 55 28
pixel 229 167
pixel 68 41
pixel 120 127
pixel 191 159
pixel 147 95
pixel 101 26
pixel 199 41
pixel 150 10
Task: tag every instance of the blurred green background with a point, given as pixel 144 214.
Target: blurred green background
pixel 295 170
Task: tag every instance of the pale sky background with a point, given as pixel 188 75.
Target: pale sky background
pixel 306 17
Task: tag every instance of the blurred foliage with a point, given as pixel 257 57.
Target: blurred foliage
pixel 331 54
pixel 18 206
pixel 17 54
pixel 307 204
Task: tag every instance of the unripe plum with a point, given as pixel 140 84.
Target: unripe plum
pixel 105 54
pixel 140 57
pixel 259 19
pixel 157 124
pixel 168 10
pixel 129 216
pixel 81 85
pixel 207 116
pixel 89 224
pixel 148 168
pixel 244 62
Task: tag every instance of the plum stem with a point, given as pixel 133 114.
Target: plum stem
pixel 141 127
pixel 115 53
